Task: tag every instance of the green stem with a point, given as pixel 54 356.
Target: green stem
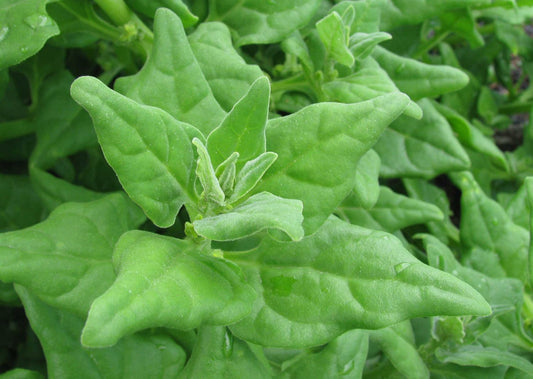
pixel 428 45
pixel 294 83
pixel 116 10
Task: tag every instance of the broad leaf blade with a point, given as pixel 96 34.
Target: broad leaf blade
pixel 149 355
pixel 243 128
pixel 151 271
pixel 172 79
pixel 340 278
pixel 66 259
pixel 259 212
pixel 150 151
pixel 318 150
pixel 24 28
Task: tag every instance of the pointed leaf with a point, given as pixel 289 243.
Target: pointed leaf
pixel 66 260
pixel 217 354
pixel 340 278
pixel 251 174
pixel 243 129
pixel 420 148
pixel 418 79
pixel 172 79
pixel 266 22
pixel 362 44
pixel 487 231
pixel 334 36
pixel 205 172
pixel 226 172
pixel 150 151
pixel 147 355
pixel 392 212
pixel 165 282
pixel 318 150
pixel 227 73
pixel 260 211
pixel 24 28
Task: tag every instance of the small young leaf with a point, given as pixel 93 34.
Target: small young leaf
pixel 149 150
pixel 260 211
pixel 251 174
pixel 341 278
pixel 362 44
pixel 334 35
pixel 168 76
pixel 226 172
pixel 165 282
pixel 212 193
pixel 243 129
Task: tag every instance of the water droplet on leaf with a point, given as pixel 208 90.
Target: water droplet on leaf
pixel 348 368
pixel 228 344
pixel 3 33
pixel 401 266
pixel 37 21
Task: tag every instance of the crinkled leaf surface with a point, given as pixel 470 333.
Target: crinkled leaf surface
pixel 243 129
pixel 266 21
pixel 148 355
pixel 420 148
pixel 418 79
pixel 260 211
pixel 392 212
pixel 488 234
pixel 340 278
pixel 172 79
pixel 150 151
pixel 217 354
pixel 228 75
pixel 166 282
pixel 344 357
pixel 318 150
pixel 66 259
pixel 24 28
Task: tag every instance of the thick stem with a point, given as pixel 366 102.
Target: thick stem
pixel 116 10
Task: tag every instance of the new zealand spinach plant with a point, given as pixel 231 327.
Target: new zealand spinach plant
pixel 252 188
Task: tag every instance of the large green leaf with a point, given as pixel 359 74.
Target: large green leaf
pixel 150 151
pixel 392 212
pixel 243 129
pixel 66 259
pixel 24 28
pixel 266 21
pixel 217 354
pixel 420 148
pixel 418 79
pixel 172 79
pixel 340 278
pixel 149 355
pixel 343 357
pixel 228 75
pixel 260 211
pixel 493 242
pixel 318 150
pixel 166 282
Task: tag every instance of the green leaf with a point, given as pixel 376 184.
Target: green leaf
pixel 243 129
pixel 251 174
pixel 66 259
pixel 24 28
pixel 400 351
pixel 260 211
pixel 335 35
pixel 150 151
pixel 340 278
pixel 392 212
pixel 148 355
pixel 21 373
pixel 172 79
pixel 151 270
pixel 420 148
pixel 343 357
pixel 368 82
pixel 318 150
pixel 212 192
pixel 475 355
pixel 417 79
pixel 489 235
pixel 217 354
pixel 366 189
pixel 149 7
pixel 529 188
pixel 226 172
pixel 266 22
pixel 226 71
pixel 462 23
pixel 20 206
pixel 362 44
